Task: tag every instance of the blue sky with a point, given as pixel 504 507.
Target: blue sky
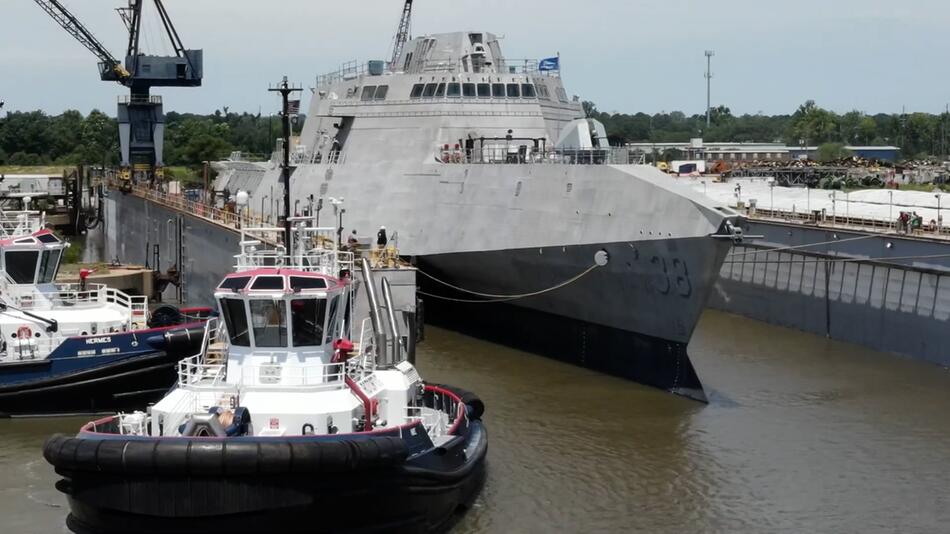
pixel 625 55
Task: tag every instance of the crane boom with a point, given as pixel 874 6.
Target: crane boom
pixel 74 27
pixel 402 33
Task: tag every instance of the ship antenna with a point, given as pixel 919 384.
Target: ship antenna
pixel 289 108
pixel 402 34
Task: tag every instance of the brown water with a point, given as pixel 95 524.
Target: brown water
pixel 801 435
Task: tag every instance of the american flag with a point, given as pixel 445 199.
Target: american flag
pixel 293 107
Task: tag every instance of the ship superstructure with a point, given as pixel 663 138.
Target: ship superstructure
pixel 501 187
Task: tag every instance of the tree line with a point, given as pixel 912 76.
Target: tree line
pixel 35 138
pixel 918 135
pixel 71 138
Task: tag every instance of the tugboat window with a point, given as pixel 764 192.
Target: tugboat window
pixel 514 90
pixel 498 90
pixel 269 322
pixel 236 283
pixel 430 90
pixel 308 316
pixel 527 90
pixel 381 92
pixel 21 265
pixel 268 283
pixel 298 283
pixel 484 90
pixel 331 328
pixel 440 91
pixel 236 320
pixel 468 90
pixel 48 264
pixel 47 238
pixel 368 93
pixel 455 90
pixel 417 90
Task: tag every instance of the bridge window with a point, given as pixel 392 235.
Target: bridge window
pixel 514 90
pixel 430 90
pixel 417 90
pixel 49 262
pixel 468 90
pixel 484 90
pixel 368 93
pixel 455 90
pixel 440 91
pixel 21 265
pixel 235 284
pixel 527 91
pixel 498 90
pixel 268 283
pixel 298 283
pixel 308 316
pixel 543 91
pixel 331 327
pixel 269 322
pixel 381 92
pixel 235 317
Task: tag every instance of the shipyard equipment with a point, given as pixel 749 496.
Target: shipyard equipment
pixel 403 34
pixel 140 114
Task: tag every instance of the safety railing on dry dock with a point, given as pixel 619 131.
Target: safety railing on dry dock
pixel 848 222
pixel 219 216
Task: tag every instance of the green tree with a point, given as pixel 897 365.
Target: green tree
pixel 829 152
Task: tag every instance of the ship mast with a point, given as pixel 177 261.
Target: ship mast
pixel 402 34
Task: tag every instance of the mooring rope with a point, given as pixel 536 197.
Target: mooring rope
pixel 782 249
pixel 499 298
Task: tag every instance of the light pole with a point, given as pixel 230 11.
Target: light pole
pixel 834 207
pixel 709 75
pixel 772 196
pixel 939 217
pixel 890 212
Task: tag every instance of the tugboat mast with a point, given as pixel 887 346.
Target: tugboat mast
pixel 285 91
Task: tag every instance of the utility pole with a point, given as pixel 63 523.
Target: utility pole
pixel 709 75
pixel 285 91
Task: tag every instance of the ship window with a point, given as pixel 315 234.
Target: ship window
pixel 48 265
pixel 417 90
pixel 484 90
pixel 236 320
pixel 455 90
pixel 331 327
pixel 300 282
pixel 514 90
pixel 498 90
pixel 381 92
pixel 267 283
pixel 468 90
pixel 527 91
pixel 235 284
pixel 430 90
pixel 561 94
pixel 21 265
pixel 368 92
pixel 47 238
pixel 440 91
pixel 308 316
pixel 269 322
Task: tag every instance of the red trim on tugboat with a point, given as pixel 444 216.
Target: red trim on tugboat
pixel 367 402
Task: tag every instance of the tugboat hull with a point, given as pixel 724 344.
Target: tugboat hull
pixel 127 371
pixel 389 481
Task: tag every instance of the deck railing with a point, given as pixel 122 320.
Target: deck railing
pixel 848 222
pixel 21 223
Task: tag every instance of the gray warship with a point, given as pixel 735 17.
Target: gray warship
pixel 491 179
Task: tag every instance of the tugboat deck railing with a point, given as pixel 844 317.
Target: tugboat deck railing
pixel 21 223
pixel 29 297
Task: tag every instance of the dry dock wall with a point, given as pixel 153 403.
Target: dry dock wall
pixel 899 306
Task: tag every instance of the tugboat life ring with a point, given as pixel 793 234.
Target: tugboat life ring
pixel 24 332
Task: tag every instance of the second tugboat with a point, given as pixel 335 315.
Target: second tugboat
pixel 282 424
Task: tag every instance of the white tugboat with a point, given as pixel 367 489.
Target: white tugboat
pixel 75 348
pixel 298 416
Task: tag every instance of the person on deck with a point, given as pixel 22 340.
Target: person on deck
pixel 352 242
pixel 381 239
